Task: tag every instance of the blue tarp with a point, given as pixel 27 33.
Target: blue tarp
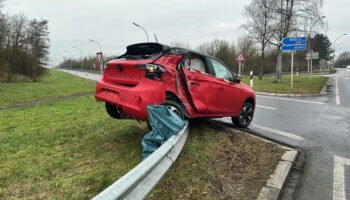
pixel 164 123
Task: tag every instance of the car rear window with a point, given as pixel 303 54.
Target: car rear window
pixel 144 50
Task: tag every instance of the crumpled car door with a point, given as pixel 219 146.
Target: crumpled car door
pixel 201 90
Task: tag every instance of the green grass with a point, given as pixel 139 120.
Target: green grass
pixel 71 149
pixel 53 84
pixel 218 163
pixel 302 84
pixel 65 150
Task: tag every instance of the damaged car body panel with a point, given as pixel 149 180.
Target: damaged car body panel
pixel 189 83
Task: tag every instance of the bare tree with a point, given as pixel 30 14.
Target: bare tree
pixel 180 44
pixel 220 49
pixel 290 19
pixel 15 42
pixel 39 42
pixel 260 24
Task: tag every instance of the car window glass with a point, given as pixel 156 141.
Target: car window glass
pixel 221 71
pixel 195 64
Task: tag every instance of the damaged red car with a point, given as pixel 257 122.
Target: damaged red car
pixel 191 84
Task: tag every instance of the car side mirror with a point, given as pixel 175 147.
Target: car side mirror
pixel 237 78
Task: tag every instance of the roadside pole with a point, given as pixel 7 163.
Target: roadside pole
pixel 240 58
pixel 293 44
pixel 291 70
pixel 311 62
pixel 251 79
pixel 239 68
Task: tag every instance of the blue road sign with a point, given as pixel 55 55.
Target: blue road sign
pixel 294 41
pixel 298 47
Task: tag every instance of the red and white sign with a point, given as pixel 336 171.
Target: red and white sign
pixel 99 60
pixel 240 57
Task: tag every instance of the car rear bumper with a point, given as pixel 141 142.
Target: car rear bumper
pixel 132 100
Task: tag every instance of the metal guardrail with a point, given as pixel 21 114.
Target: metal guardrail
pixel 138 182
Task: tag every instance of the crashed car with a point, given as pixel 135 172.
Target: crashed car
pixel 190 84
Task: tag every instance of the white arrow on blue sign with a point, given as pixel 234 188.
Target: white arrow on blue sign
pixel 294 41
pixel 298 47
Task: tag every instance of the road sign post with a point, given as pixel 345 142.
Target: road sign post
pixel 251 79
pixel 240 58
pixel 291 70
pixel 293 44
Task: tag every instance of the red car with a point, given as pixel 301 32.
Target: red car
pixel 189 83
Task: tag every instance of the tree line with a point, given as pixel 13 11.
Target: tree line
pixel 226 52
pixel 343 59
pixel 267 23
pixel 24 47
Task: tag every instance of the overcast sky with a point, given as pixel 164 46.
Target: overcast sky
pixel 72 22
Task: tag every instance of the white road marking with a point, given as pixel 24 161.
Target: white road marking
pixel 287 99
pixel 339 177
pixel 266 107
pixel 337 99
pixel 290 135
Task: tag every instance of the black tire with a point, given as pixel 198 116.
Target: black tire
pixel 175 107
pixel 245 116
pixel 113 111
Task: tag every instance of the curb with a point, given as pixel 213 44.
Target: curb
pixel 272 189
pixel 289 95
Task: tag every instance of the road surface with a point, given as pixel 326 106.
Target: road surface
pixel 319 126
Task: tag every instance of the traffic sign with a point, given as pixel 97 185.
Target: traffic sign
pixel 313 55
pixel 298 47
pixel 240 57
pixel 294 41
pixel 293 44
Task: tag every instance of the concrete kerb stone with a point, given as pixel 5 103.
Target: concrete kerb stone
pixel 273 187
pixel 289 95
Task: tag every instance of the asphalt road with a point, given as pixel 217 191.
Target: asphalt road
pixel 319 126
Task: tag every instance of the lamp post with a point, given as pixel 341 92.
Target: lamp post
pixel 81 54
pixel 309 61
pixel 144 30
pixel 70 58
pixel 344 34
pixel 99 46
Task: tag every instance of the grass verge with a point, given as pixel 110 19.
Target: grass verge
pixel 64 150
pixel 71 149
pixel 53 84
pixel 219 163
pixel 302 84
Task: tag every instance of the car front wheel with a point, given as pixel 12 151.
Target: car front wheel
pixel 245 116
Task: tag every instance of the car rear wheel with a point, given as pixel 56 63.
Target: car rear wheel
pixel 245 116
pixel 113 111
pixel 173 106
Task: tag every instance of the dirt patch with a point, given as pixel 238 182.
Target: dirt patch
pixel 219 163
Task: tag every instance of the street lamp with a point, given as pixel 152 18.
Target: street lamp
pixel 144 30
pixel 344 34
pixel 82 59
pixel 98 44
pixel 309 61
pixel 70 58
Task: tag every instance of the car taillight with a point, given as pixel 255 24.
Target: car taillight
pixel 154 72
